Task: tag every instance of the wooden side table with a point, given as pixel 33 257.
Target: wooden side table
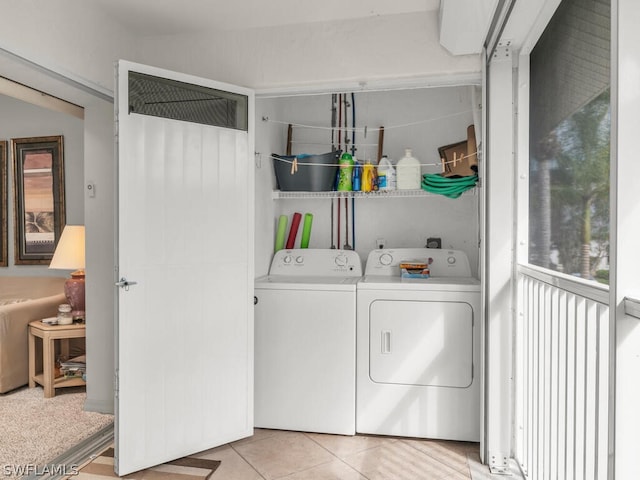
pixel 49 334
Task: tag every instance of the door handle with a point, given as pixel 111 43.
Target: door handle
pixel 255 300
pixel 124 283
pixel 385 347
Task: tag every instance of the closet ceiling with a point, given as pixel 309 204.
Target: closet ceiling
pixel 170 17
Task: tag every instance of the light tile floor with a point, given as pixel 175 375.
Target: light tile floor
pixel 278 454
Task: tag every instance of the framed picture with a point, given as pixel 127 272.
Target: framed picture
pixel 3 204
pixel 38 175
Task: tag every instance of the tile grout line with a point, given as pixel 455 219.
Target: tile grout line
pixel 485 475
pixel 338 458
pixel 246 461
pixel 467 473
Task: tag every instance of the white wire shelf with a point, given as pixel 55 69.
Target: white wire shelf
pixel 278 194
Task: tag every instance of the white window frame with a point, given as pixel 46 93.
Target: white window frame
pixel 526 22
pixel 587 288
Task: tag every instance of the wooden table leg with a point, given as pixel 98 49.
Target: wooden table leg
pixel 32 359
pixel 48 372
pixel 64 348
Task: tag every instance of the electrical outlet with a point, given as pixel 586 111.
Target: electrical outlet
pixel 381 243
pixel 434 242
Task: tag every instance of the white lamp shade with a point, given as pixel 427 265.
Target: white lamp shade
pixel 69 254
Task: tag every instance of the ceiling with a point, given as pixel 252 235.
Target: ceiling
pixel 169 17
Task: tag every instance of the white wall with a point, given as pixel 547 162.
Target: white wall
pixel 268 140
pixel 81 42
pixel 99 215
pixel 377 48
pixel 70 36
pixel 20 119
pixel 436 117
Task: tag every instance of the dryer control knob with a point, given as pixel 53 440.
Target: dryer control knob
pixel 287 259
pixel 451 260
pixel 341 260
pixel 300 259
pixel 385 259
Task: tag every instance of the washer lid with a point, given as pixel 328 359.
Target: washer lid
pixel 456 284
pixel 293 282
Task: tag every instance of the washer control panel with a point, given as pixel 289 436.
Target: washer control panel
pixel 316 262
pixel 442 262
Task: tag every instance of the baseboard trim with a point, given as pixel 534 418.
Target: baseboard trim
pixel 98 406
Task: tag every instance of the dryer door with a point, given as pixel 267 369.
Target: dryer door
pixel 428 343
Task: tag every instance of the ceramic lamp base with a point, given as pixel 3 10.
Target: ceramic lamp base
pixel 74 291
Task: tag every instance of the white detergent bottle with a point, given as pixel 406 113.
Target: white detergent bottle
pixel 408 173
pixel 386 174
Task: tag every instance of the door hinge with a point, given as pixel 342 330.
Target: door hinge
pixel 116 383
pixel 502 51
pixel 498 463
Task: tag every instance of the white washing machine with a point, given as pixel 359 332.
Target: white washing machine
pixel 305 344
pixel 418 347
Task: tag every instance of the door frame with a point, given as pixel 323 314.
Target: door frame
pixel 97 103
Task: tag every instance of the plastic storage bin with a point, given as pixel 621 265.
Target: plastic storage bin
pixel 308 178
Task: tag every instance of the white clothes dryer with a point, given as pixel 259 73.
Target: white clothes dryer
pixel 418 347
pixel 305 327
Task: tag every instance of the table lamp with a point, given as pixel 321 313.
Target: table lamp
pixel 69 255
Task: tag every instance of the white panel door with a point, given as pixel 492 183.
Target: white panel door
pixel 184 328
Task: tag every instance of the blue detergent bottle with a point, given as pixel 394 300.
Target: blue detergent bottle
pixel 357 177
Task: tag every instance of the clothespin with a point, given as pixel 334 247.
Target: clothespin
pixel 294 165
pixel 444 162
pixel 455 159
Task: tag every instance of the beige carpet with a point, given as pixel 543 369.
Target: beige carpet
pixel 35 430
pixel 187 468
